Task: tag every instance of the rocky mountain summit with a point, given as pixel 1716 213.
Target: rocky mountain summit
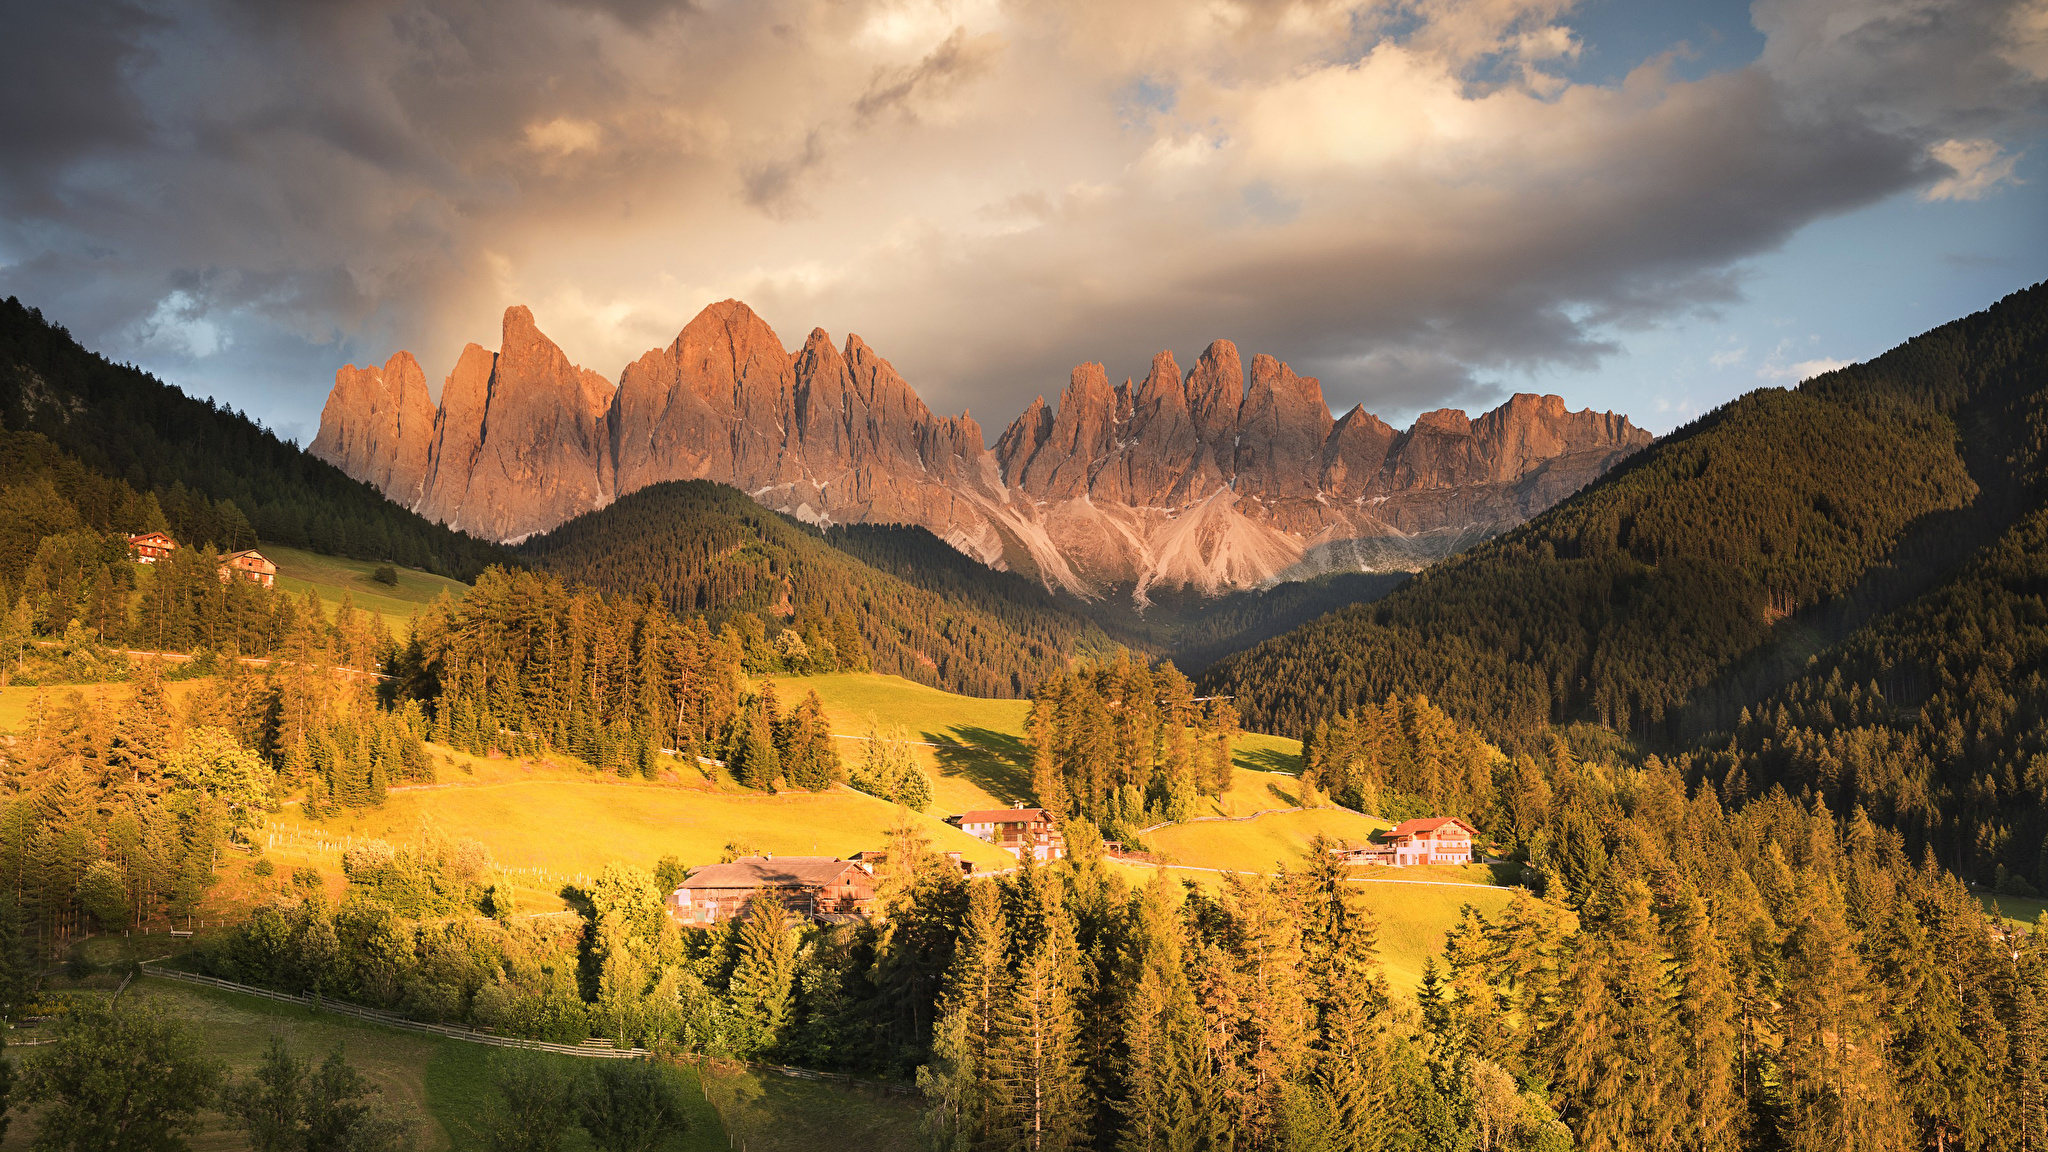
pixel 1213 479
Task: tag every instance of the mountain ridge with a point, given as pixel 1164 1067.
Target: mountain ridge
pixel 1212 479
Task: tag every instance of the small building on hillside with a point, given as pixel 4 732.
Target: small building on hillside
pixel 814 887
pixel 150 547
pixel 1020 831
pixel 1437 840
pixel 1371 853
pixel 250 565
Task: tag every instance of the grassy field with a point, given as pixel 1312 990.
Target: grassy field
pixel 767 1112
pixel 980 760
pixel 1256 845
pixel 560 824
pixel 17 702
pixel 330 576
pixel 2016 911
pixel 443 1084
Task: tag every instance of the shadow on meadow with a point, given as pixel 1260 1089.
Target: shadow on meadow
pixel 998 763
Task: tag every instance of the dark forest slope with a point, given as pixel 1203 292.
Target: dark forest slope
pixel 216 473
pixel 1702 574
pixel 706 548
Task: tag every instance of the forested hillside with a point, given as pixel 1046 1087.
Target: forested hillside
pixel 1781 510
pixel 217 475
pixel 706 548
pixel 1846 577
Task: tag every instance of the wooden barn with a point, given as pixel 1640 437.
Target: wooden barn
pixel 814 887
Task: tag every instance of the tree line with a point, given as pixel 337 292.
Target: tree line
pixel 1680 972
pixel 1124 744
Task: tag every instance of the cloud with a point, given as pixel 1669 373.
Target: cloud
pixel 957 60
pixel 1803 370
pixel 1409 198
pixel 1978 166
pixel 563 136
pixel 180 324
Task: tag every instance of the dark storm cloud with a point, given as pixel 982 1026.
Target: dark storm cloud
pixel 1409 198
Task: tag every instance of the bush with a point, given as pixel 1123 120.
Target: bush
pixel 385 575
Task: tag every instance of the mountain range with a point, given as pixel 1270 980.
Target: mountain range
pixel 1212 479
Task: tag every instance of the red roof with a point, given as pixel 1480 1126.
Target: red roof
pixel 1006 816
pixel 1417 827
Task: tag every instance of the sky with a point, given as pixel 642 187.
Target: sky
pixel 1648 206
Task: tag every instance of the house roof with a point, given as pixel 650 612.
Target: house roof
pixel 1005 816
pixel 1417 827
pixel 151 537
pixel 770 872
pixel 246 554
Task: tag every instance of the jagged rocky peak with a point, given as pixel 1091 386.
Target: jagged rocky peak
pixel 1215 477
pixel 378 426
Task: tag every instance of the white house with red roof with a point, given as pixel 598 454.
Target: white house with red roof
pixel 1437 840
pixel 1018 831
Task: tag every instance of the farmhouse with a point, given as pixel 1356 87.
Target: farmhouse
pixel 151 547
pixel 250 565
pixel 815 887
pixel 1438 840
pixel 1018 831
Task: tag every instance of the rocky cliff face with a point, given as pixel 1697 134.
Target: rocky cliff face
pixel 1213 479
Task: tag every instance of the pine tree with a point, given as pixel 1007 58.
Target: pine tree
pixel 763 979
pixel 1048 787
pixel 755 760
pixel 959 1080
pixel 1171 1100
pixel 1035 1067
pixel 1839 1094
pixel 1614 1057
pixel 1704 1015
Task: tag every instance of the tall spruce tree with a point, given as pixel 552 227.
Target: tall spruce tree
pixel 1035 1071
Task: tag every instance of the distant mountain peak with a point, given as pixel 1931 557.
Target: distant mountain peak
pixel 1213 478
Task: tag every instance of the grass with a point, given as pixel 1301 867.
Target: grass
pixel 17 702
pixel 2015 911
pixel 444 1083
pixel 1257 845
pixel 562 824
pixel 981 760
pixel 767 1112
pixel 329 576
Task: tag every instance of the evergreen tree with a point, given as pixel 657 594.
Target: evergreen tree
pixel 1172 1100
pixel 1615 1057
pixel 1035 1070
pixel 1839 1094
pixel 764 976
pixel 960 1080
